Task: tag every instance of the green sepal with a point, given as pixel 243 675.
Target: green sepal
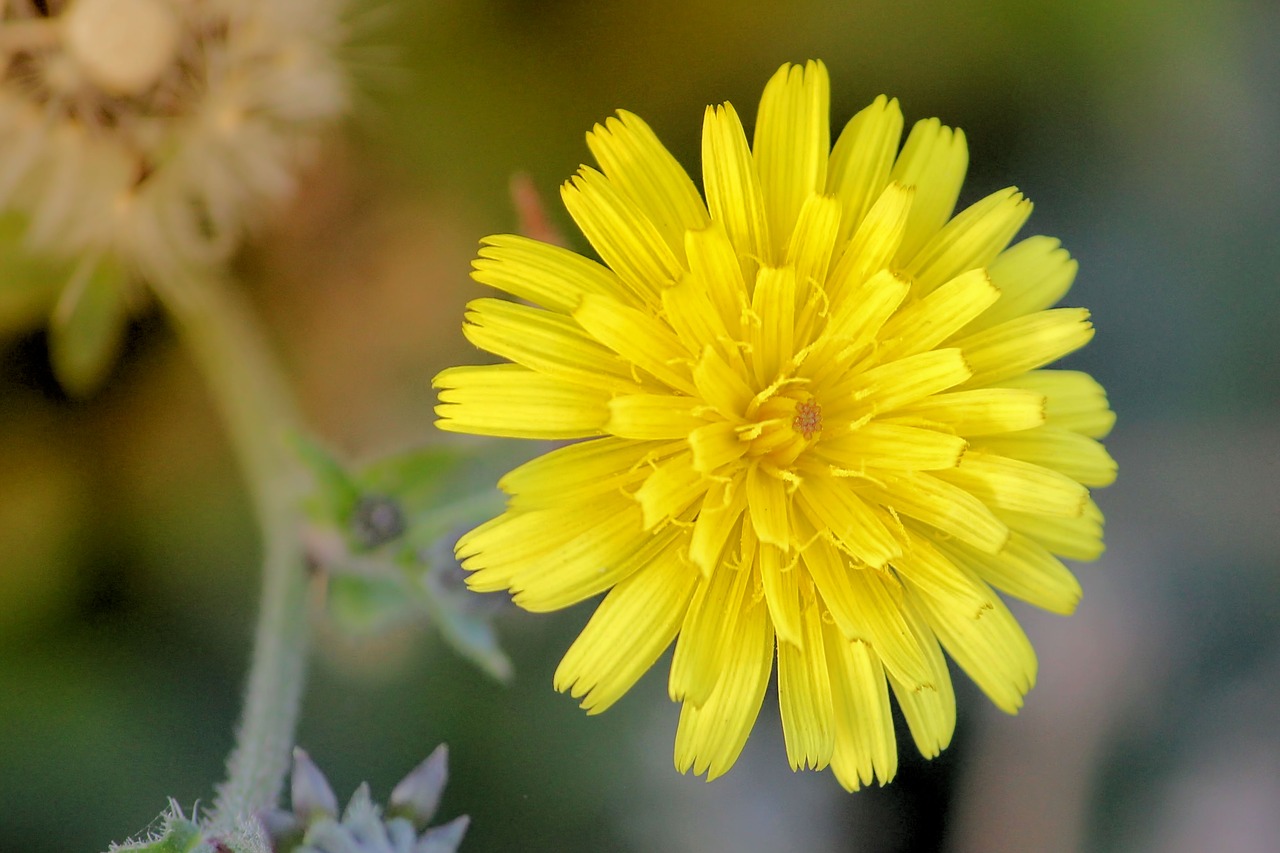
pixel 180 835
pixel 87 326
pixel 398 518
pixel 440 490
pixel 418 478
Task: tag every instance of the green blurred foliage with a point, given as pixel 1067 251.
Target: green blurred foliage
pixel 1143 131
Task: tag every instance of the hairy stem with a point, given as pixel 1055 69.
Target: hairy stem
pixel 222 334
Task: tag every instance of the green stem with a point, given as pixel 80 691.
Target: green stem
pixel 222 334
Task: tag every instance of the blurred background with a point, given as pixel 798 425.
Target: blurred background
pixel 1146 134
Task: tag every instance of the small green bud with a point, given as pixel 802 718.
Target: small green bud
pixel 87 326
pixel 377 520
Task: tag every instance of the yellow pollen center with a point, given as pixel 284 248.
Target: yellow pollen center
pixel 782 427
pixel 808 419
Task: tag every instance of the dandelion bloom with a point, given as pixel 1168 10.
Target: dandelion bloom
pixel 810 421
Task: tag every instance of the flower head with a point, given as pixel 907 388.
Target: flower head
pixel 140 139
pixel 811 423
pixel 156 126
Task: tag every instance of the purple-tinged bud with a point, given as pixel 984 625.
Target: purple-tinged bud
pixel 312 796
pixel 418 794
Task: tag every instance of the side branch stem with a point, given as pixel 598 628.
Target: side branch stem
pixel 223 336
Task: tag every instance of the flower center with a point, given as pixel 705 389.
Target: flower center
pixel 808 419
pixel 782 426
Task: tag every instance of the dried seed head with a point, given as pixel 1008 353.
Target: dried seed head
pixel 124 46
pixel 160 131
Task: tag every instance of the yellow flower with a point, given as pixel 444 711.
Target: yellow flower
pixel 811 422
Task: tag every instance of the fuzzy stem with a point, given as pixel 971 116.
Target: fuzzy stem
pixel 222 334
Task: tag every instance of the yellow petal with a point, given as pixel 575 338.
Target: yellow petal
pixel 930 711
pixel 733 187
pixel 714 264
pixel 804 697
pixel 809 256
pixel 1025 570
pixel 716 523
pixel 1032 276
pixel 864 605
pixel 619 230
pixel 703 650
pixel 852 328
pixel 813 241
pixel 831 505
pixel 982 411
pixel 581 471
pixel 637 163
pixel 933 571
pixel 865 748
pixel 880 621
pixel 1077 538
pixel 1081 458
pixel 513 401
pixel 861 160
pixel 781 584
pixel 792 139
pixel 503 546
pixel 722 387
pixel 669 490
pixel 547 342
pixel 893 446
pixel 873 245
pixel 952 510
pixel 1024 343
pixel 999 481
pixel 989 645
pixel 634 624
pixel 970 241
pixel 933 160
pixel 687 306
pixel 715 445
pixel 710 737
pixel 638 337
pixel 586 565
pixel 1073 400
pixel 769 507
pixel 653 416
pixel 924 323
pixel 772 327
pixel 906 380
pixel 545 275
